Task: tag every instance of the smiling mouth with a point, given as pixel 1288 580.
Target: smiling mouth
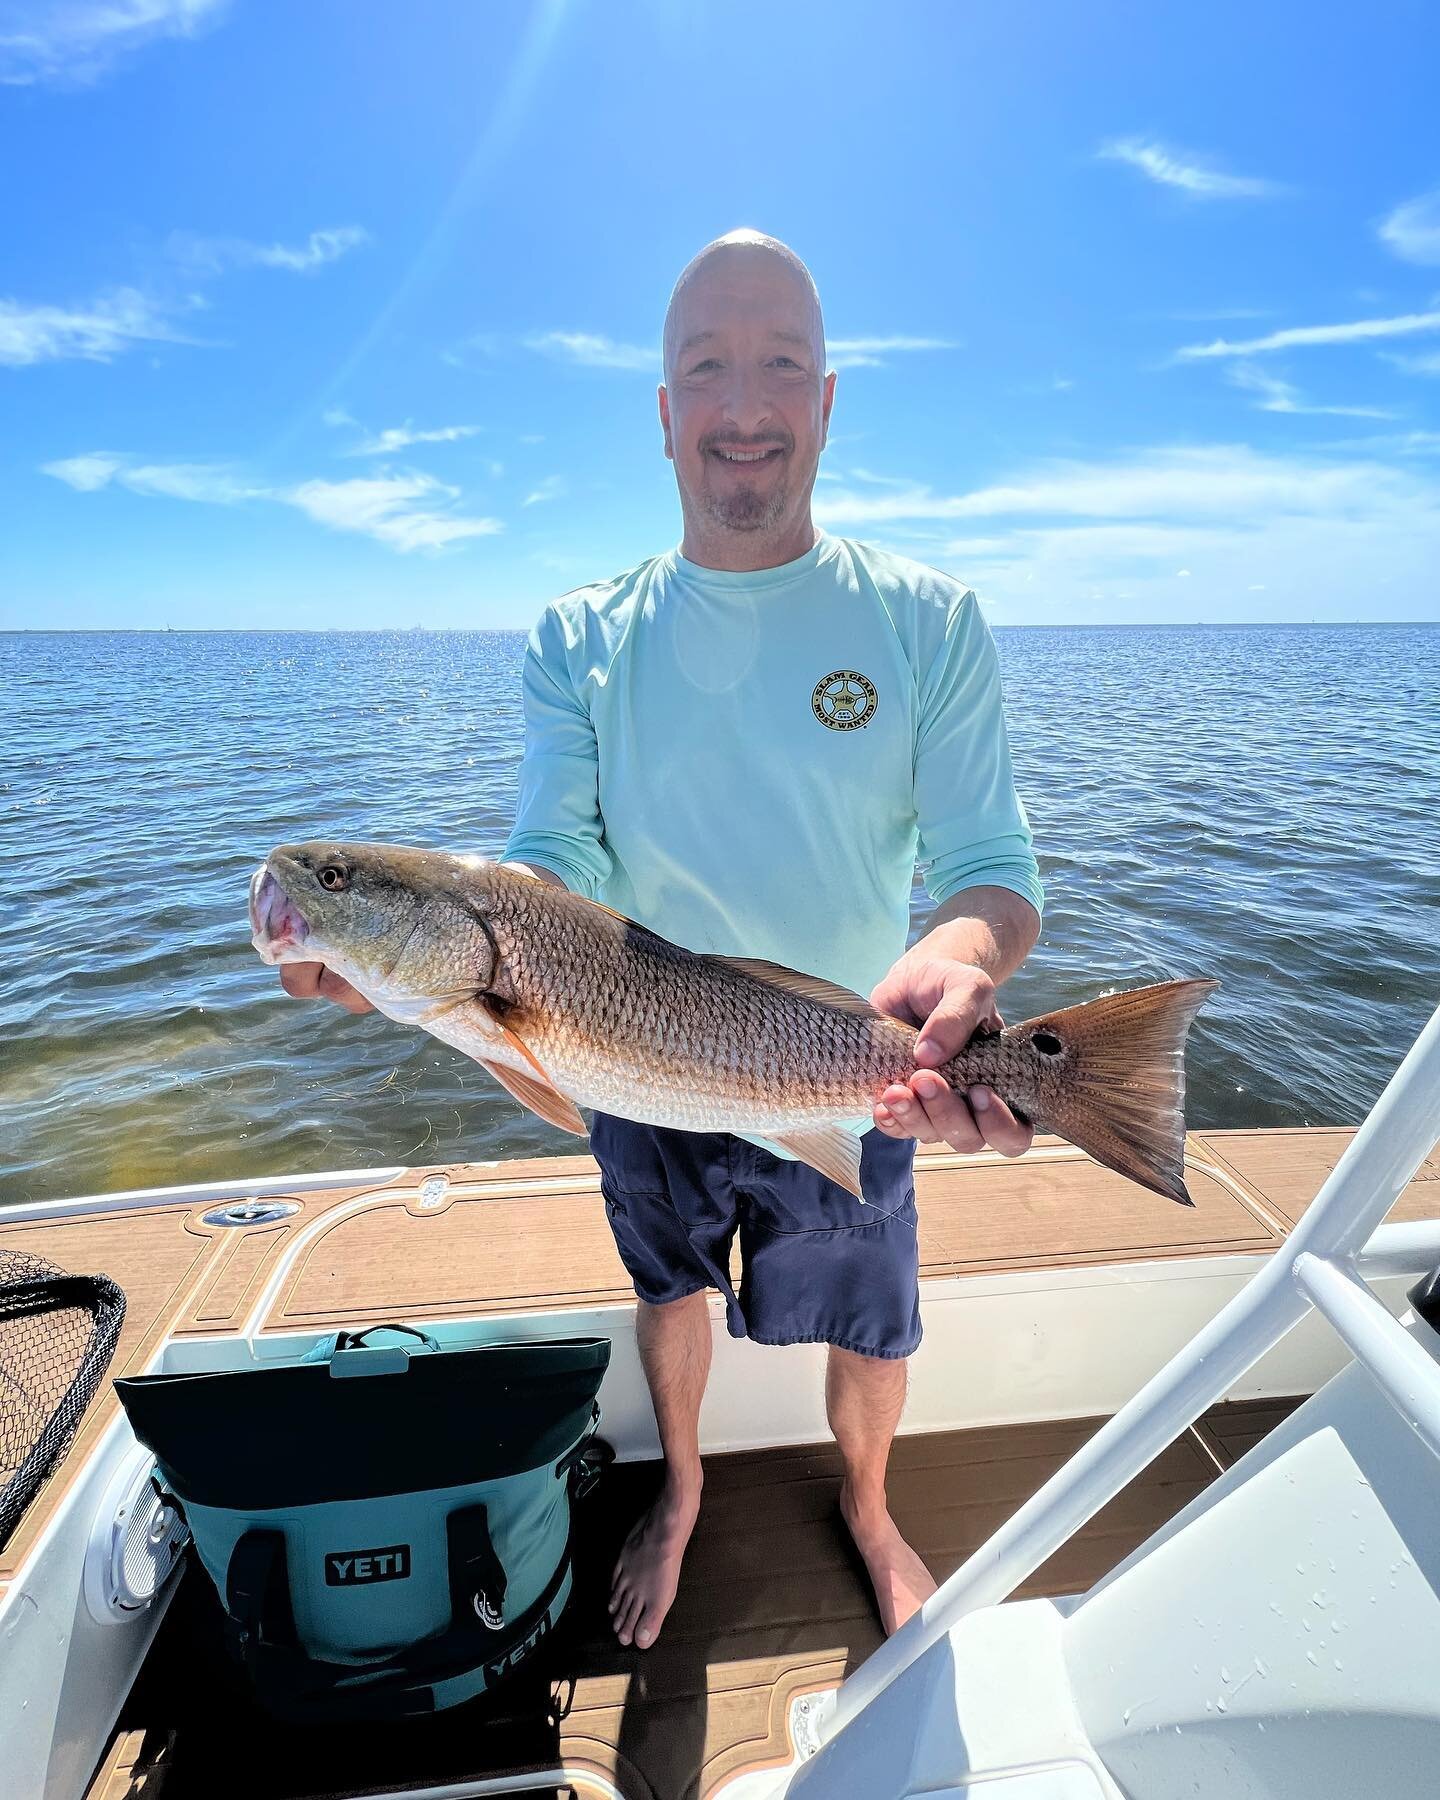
pixel 747 459
pixel 276 924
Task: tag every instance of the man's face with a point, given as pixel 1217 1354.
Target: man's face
pixel 746 403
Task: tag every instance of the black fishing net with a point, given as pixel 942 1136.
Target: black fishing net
pixel 57 1335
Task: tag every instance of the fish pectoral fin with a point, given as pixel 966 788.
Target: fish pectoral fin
pixel 537 1092
pixel 831 1149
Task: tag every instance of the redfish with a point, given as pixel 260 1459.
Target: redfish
pixel 567 1004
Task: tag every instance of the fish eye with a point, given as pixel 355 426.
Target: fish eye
pixel 333 877
pixel 1046 1043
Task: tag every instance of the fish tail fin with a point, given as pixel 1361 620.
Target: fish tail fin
pixel 1123 1096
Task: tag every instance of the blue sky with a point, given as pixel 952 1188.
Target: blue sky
pixel 345 313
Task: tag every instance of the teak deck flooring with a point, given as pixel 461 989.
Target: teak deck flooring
pixel 532 1235
pixel 773 1603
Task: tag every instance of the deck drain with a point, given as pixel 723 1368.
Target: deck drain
pixel 250 1212
pixel 433 1190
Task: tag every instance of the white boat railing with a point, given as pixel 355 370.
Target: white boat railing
pixel 1318 1265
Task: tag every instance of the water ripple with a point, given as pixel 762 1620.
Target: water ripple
pixel 1255 804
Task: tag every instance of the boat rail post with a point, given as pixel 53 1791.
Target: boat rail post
pixel 1378 1164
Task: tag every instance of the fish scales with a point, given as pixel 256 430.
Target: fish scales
pixel 567 1004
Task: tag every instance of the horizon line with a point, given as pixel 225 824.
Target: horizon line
pixel 481 630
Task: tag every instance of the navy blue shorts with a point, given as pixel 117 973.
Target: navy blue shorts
pixel 817 1266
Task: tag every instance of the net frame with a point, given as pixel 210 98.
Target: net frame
pixel 58 1332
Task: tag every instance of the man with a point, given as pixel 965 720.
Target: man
pixel 742 745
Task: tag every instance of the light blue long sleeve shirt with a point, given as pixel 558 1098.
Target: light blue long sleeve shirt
pixel 752 763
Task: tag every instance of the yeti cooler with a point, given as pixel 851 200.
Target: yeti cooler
pixel 387 1523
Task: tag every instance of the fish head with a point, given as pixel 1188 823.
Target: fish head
pixel 406 927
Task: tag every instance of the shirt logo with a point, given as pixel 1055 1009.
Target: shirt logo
pixel 844 700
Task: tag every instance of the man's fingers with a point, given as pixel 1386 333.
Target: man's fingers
pixel 891 997
pixel 302 980
pixel 948 1113
pixel 930 1110
pixel 952 1023
pixel 914 1116
pixel 337 988
pixel 312 980
pixel 1002 1130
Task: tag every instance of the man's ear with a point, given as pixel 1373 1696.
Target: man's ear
pixel 664 399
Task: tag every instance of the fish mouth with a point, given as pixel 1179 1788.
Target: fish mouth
pixel 278 928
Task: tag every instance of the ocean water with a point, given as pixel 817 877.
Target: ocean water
pixel 1257 804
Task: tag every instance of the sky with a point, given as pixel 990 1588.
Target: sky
pixel 347 314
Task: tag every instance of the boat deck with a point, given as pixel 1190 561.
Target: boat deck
pixel 773 1604
pixel 762 1614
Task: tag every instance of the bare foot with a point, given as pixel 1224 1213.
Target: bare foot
pixel 901 1581
pixel 648 1572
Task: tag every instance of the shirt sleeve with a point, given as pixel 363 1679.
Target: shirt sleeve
pixel 557 815
pixel 972 826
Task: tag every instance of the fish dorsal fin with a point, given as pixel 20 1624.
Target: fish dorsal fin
pixel 535 1090
pixel 808 987
pixel 602 907
pixel 831 1149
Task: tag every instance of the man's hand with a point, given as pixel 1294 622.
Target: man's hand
pixel 310 981
pixel 946 1000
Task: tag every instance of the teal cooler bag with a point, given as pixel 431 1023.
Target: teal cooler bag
pixel 387 1525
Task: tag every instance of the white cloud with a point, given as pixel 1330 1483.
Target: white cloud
pixel 208 482
pixel 870 352
pixel 400 437
pixel 212 255
pixel 1357 331
pixel 1426 364
pixel 871 479
pixel 94 332
pixel 77 41
pixel 1397 443
pixel 337 415
pixel 1281 397
pixel 85 474
pixel 1171 169
pixel 1108 538
pixel 404 511
pixel 593 351
pixel 1412 230
pixel 1217 481
pixel 407 512
pixel 551 488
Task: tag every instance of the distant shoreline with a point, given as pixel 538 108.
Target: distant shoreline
pixel 502 630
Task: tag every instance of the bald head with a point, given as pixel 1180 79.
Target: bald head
pixel 742 267
pixel 745 403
